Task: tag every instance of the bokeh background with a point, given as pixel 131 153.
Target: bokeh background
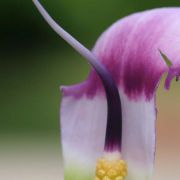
pixel 34 62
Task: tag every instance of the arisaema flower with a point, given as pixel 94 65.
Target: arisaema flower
pixel 108 122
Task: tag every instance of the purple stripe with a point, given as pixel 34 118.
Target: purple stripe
pixel 114 118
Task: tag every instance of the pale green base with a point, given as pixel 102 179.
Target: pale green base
pixel 75 173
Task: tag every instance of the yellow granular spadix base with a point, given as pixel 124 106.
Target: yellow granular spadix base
pixel 107 169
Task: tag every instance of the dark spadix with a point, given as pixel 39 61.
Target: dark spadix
pixel 114 117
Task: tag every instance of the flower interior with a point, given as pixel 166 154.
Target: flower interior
pixel 111 166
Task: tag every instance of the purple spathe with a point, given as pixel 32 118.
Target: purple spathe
pixel 130 51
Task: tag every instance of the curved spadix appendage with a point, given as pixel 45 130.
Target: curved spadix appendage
pixel 114 120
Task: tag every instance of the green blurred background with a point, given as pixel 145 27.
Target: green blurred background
pixel 34 62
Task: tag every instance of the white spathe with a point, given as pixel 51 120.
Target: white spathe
pixel 138 136
pixel 83 124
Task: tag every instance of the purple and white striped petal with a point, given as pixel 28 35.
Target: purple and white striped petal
pixel 130 51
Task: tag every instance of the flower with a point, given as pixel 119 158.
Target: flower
pixel 129 60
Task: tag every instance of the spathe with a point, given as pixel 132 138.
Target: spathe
pixel 129 50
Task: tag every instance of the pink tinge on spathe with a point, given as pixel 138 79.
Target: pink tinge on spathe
pixel 130 51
